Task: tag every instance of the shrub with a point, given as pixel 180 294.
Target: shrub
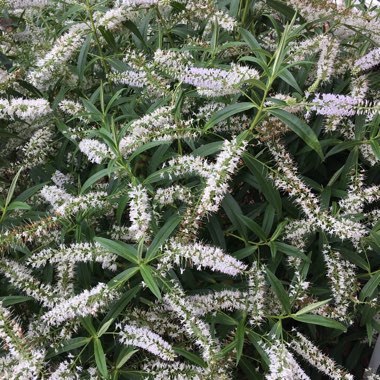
pixel 189 189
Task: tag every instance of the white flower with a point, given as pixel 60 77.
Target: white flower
pixel 21 277
pixel 194 326
pixel 53 63
pixel 146 339
pixel 156 126
pixel 130 77
pixel 38 148
pixel 168 195
pixel 25 4
pixel 218 82
pixel 282 365
pixel 160 370
pixel 342 280
pixel 61 179
pixel 95 150
pixel 74 253
pixel 201 256
pixel 28 110
pixel 311 353
pixel 257 290
pixel 112 19
pixel 137 3
pixel 140 213
pixel 65 204
pixel 219 175
pixel 368 61
pixel 89 302
pixel 202 304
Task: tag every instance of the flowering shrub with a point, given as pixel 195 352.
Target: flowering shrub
pixel 189 189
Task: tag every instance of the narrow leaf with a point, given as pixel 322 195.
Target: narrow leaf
pixel 150 281
pixel 119 248
pixel 100 358
pixel 319 320
pixel 370 287
pixel 279 291
pixel 163 235
pixel 300 128
pixel 227 112
pixel 312 306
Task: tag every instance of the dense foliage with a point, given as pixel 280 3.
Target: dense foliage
pixel 189 189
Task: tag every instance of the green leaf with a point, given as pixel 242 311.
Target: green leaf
pixel 13 300
pixel 12 188
pixel 100 358
pixel 253 44
pixel 227 112
pixel 121 304
pixel 207 149
pixel 256 339
pixel 312 306
pixel 88 325
pixel 319 320
pixel 104 327
pixel 147 146
pixel 300 128
pixel 30 192
pixel 190 356
pixel 133 28
pixel 279 291
pixel 119 248
pixel 69 345
pixel 281 7
pixel 233 211
pixel 125 354
pixel 288 77
pixel 94 178
pixel 122 277
pixel 375 148
pixel 370 287
pixel 253 226
pixel 162 235
pixel 82 58
pixel 339 147
pixel 259 171
pixel 17 205
pixel 150 281
pixel 291 251
pixel 239 337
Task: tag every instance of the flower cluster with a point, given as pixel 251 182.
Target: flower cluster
pixel 220 175
pixel 194 326
pixel 95 150
pixel 306 349
pixel 157 126
pixel 160 370
pixel 182 183
pixel 343 283
pixel 282 365
pixel 89 302
pixel 368 61
pixel 54 61
pixel 144 338
pixel 212 82
pixel 75 253
pixel 140 213
pixel 28 110
pixel 202 256
pixel 22 278
pixel 288 180
pixel 65 204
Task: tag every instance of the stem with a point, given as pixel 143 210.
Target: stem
pixel 97 40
